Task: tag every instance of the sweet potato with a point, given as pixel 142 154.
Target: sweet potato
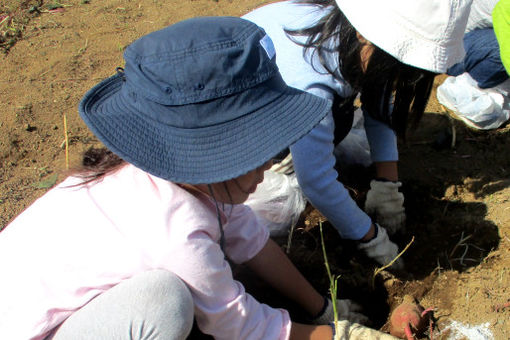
pixel 408 318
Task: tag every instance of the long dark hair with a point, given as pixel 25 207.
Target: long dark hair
pixel 386 80
pixel 96 164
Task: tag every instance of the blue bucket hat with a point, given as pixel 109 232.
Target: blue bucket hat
pixel 200 101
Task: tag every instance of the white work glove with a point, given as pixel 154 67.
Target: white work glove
pixel 381 249
pixel 346 309
pixel 353 331
pixel 386 204
pixel 285 167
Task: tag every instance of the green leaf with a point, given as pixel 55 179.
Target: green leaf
pixel 46 183
pixel 54 5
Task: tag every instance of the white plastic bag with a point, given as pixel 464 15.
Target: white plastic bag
pixel 278 202
pixel 482 109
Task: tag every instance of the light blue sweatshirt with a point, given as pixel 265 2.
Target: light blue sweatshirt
pixel 313 156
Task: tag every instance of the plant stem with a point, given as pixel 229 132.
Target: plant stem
pixel 333 281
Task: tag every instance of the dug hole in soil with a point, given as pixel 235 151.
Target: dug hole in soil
pixel 456 197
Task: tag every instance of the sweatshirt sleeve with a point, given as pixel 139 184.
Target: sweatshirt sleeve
pixel 314 166
pixel 245 236
pixel 382 140
pixel 223 309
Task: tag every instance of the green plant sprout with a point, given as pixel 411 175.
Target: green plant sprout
pixel 54 5
pixel 333 280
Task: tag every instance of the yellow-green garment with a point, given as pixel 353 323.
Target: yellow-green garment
pixel 501 23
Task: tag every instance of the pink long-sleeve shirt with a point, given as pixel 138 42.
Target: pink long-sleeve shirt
pixel 75 243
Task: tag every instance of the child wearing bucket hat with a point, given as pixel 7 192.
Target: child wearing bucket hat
pixel 136 243
pixel 388 53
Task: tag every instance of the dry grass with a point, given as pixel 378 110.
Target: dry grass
pixel 14 16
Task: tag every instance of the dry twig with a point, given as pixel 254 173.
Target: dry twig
pixel 66 140
pixel 379 270
pixel 500 307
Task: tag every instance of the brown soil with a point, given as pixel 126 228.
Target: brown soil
pixel 457 198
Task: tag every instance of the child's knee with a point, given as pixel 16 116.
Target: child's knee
pixel 166 297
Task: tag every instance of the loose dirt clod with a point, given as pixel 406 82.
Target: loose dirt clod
pixel 501 307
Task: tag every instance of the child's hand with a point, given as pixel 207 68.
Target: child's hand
pixel 386 204
pixel 354 331
pixel 381 249
pixel 346 309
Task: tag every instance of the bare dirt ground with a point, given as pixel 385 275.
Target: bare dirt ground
pixel 457 198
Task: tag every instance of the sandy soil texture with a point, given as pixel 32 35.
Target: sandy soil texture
pixel 457 198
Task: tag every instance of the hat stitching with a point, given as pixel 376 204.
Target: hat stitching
pixel 204 94
pixel 181 130
pixel 218 157
pixel 237 85
pixel 276 87
pixel 454 12
pixel 197 93
pixel 176 56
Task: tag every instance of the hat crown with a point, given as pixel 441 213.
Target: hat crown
pixel 198 60
pixel 432 20
pixel 422 33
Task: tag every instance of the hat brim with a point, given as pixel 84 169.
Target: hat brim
pixel 203 155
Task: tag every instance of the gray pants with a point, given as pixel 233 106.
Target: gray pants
pixel 151 305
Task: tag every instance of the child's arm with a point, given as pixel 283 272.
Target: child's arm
pixel 273 266
pixel 310 332
pixel 344 330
